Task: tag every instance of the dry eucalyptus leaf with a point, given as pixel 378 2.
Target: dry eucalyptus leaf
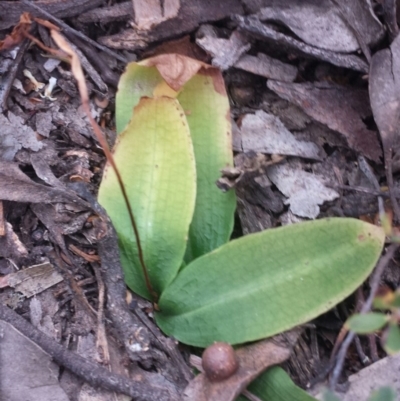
pixel 265 133
pixel 269 33
pixel 342 109
pixel 18 187
pixel 27 372
pixel 225 52
pixel 152 12
pixel 305 191
pixel 33 280
pixel 322 24
pixel 15 135
pixel 384 91
pixel 267 67
pixel 253 359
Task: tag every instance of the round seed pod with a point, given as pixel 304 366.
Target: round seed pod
pixel 219 361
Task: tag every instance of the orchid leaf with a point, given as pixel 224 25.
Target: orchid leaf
pixel 275 384
pixel 200 90
pixel 265 283
pixel 154 155
pixel 367 322
pixel 205 101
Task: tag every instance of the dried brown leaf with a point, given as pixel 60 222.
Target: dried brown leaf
pixel 253 360
pixel 341 109
pixel 18 33
pixel 175 68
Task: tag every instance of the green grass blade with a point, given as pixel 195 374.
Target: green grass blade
pixel 156 161
pixel 269 282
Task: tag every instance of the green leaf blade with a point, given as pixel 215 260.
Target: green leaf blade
pixel 136 82
pixel 276 385
pixel 367 322
pixel 268 282
pixel 392 342
pixel 206 104
pixel 156 161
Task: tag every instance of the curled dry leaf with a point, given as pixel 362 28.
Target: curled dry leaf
pixel 322 24
pixel 175 68
pixel 18 33
pixel 225 52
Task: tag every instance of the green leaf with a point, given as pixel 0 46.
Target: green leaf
pixel 206 104
pixel 136 82
pixel 156 161
pixel 383 394
pixel 268 282
pixel 276 385
pixel 392 343
pixel 367 322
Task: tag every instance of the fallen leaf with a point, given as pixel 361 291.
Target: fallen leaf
pixel 305 191
pixel 18 187
pixel 264 133
pixel 149 13
pixel 253 359
pixel 341 109
pixel 28 373
pixel 15 135
pixel 175 68
pixel 267 67
pixel 322 24
pixel 270 34
pixel 18 33
pixel 33 280
pixel 384 91
pixel 225 52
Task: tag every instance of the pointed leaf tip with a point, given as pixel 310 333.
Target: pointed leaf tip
pixel 266 283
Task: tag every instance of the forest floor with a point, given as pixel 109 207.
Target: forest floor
pixel 314 95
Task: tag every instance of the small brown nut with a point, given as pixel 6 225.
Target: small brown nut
pixel 219 361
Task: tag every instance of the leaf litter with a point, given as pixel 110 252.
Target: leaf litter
pixel 299 100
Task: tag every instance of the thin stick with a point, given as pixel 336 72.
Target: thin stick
pixel 68 29
pixel 143 388
pixel 374 282
pixel 78 73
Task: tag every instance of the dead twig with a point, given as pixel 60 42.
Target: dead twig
pixel 72 31
pixel 374 283
pixel 77 71
pixel 141 388
pixel 8 78
pixel 101 337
